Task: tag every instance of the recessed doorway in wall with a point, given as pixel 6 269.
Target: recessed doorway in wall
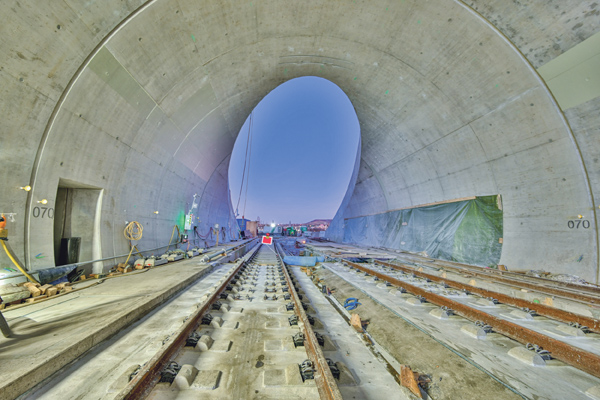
pixel 77 223
pixel 295 154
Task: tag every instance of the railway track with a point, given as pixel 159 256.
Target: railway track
pixel 256 336
pixel 591 324
pixel 253 333
pixel 224 356
pixel 256 328
pixel 566 290
pixel 570 289
pixel 478 325
pixel 585 294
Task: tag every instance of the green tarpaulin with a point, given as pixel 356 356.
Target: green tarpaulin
pixel 464 231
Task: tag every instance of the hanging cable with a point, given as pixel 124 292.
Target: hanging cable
pixel 250 135
pixel 133 231
pixel 173 233
pixel 245 161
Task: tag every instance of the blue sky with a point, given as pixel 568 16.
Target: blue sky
pixel 305 135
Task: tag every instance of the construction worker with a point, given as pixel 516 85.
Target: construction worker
pixel 4 328
pixel 3 232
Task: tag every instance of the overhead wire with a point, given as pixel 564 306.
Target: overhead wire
pixel 245 162
pixel 250 137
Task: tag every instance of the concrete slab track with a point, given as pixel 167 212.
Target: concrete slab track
pixel 53 333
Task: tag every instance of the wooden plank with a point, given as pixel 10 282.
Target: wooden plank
pixel 33 290
pixel 34 299
pixel 44 288
pixel 408 379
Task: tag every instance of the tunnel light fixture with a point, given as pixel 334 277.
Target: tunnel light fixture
pixel 43 201
pixel 155 212
pixel 580 216
pixel 26 188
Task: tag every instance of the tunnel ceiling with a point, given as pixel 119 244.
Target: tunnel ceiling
pixel 145 100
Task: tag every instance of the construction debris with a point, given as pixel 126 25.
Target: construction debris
pixel 559 277
pixel 356 323
pixel 414 381
pixel 11 292
pixel 33 289
pixel 29 292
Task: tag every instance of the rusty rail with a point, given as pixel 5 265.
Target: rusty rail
pixel 324 379
pixel 145 380
pixel 584 294
pixel 576 357
pixel 542 309
pixel 592 294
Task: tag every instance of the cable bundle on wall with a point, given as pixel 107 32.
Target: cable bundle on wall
pixel 133 231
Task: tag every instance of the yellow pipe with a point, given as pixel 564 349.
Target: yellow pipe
pixel 130 251
pixel 31 278
pixel 172 234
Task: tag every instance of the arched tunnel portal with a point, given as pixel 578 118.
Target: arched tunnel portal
pixel 139 103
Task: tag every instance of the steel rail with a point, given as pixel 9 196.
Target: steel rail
pixel 587 294
pixel 542 309
pixel 324 379
pixel 143 383
pixel 576 357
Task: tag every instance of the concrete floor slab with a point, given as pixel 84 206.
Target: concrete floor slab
pixel 53 333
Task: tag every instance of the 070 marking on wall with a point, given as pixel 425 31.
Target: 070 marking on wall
pixel 43 212
pixel 576 224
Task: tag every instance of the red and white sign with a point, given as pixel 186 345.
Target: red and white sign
pixel 267 240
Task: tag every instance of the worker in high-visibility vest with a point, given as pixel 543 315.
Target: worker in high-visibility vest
pixel 4 328
pixel 3 232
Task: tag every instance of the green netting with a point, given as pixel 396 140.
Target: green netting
pixel 464 231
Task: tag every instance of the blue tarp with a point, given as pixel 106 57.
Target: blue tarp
pixel 53 274
pixel 302 261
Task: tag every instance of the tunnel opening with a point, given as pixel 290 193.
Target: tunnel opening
pixel 294 158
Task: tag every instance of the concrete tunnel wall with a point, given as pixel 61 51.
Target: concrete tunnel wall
pixel 144 99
